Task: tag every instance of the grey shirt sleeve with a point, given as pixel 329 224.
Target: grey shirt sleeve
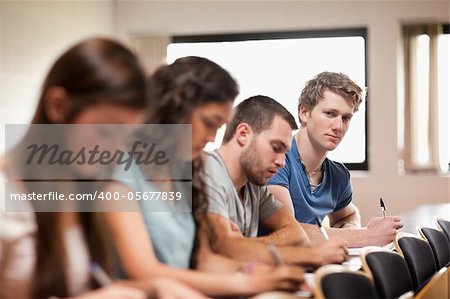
pixel 216 197
pixel 268 204
pixel 215 188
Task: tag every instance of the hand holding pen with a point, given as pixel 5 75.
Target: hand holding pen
pixel 333 251
pixel 382 230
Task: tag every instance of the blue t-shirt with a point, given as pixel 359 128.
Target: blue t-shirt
pixel 334 193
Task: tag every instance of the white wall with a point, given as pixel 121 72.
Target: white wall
pixel 383 20
pixel 32 35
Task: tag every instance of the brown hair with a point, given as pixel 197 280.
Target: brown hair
pixel 96 70
pixel 338 83
pixel 177 89
pixel 259 112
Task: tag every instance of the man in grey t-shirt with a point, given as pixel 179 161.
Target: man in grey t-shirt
pixel 256 205
pixel 253 150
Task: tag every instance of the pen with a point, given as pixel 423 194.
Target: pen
pixel 100 275
pixel 383 208
pixel 275 255
pixel 322 229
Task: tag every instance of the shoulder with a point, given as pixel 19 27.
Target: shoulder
pixel 211 158
pixel 214 167
pixel 292 159
pixel 292 154
pixel 337 168
pixel 284 174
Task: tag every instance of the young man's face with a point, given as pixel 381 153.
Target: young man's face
pixel 266 152
pixel 328 121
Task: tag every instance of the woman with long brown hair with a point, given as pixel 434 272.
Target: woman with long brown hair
pixel 42 253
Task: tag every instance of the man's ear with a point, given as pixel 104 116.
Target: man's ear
pixel 57 104
pixel 243 134
pixel 303 114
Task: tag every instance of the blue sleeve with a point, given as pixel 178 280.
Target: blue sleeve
pixel 347 193
pixel 281 178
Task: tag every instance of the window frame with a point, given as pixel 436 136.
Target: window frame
pixel 446 30
pixel 320 33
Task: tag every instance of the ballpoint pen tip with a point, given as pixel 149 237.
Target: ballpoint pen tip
pixel 381 203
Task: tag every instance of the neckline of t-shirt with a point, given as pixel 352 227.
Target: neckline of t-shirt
pixel 303 174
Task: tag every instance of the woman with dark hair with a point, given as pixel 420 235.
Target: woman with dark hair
pixel 197 92
pixel 43 254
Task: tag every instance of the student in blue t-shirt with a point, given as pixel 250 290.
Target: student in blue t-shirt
pixel 312 184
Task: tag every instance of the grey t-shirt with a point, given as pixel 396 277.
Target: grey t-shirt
pixel 257 204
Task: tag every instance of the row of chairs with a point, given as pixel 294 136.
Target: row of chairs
pixel 390 274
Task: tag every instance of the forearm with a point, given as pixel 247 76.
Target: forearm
pixel 355 237
pixel 301 256
pixel 249 250
pixel 210 261
pixel 216 263
pixel 212 285
pixel 289 235
pixel 346 217
pixel 145 285
pixel 243 249
pixel 351 221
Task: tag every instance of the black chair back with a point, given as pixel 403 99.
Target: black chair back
pixel 445 226
pixel 439 244
pixel 333 282
pixel 419 258
pixel 389 271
